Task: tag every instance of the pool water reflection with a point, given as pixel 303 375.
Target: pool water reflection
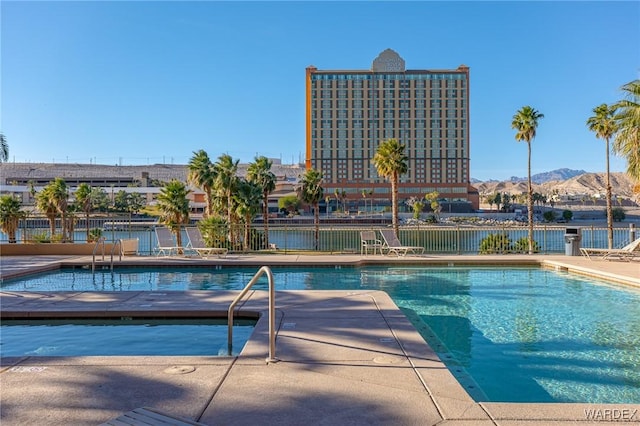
pixel 126 336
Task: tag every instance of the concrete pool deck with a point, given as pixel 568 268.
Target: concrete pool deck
pixel 346 357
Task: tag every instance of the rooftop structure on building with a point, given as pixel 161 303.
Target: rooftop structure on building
pixel 40 174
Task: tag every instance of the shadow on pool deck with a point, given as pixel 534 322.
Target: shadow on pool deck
pixel 346 357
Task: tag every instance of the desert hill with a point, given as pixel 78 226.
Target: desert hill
pixel 558 174
pixel 589 184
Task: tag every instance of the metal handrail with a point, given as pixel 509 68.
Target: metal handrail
pixel 117 243
pixel 272 312
pixel 99 242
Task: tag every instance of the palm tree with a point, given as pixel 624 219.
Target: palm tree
pixel 311 192
pixel 4 148
pixel 525 121
pixel 202 175
pixel 83 199
pixel 44 203
pixel 259 172
pixel 173 206
pixel 10 215
pixel 391 162
pixel 60 195
pixel 343 198
pixel 432 197
pixel 497 200
pixel 489 200
pixel 126 202
pixel 627 139
pixel 603 124
pixel 248 200
pixel 226 181
pixel 89 199
pixel 52 200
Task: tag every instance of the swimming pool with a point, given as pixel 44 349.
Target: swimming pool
pixel 124 336
pixel 507 334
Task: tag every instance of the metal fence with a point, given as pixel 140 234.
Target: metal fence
pixel 345 238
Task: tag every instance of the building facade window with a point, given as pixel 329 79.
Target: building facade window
pixel 352 112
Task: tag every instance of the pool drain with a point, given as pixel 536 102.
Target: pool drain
pixel 180 369
pixel 388 360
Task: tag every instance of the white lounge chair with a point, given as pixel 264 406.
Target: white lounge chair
pixel 197 244
pixel 369 241
pixel 627 252
pixel 129 246
pixel 393 245
pixel 166 244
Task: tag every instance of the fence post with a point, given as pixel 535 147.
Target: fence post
pixel 286 233
pixel 632 232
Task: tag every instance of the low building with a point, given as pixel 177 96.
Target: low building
pixel 23 180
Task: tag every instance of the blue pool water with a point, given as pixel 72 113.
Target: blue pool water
pixel 507 334
pixel 77 337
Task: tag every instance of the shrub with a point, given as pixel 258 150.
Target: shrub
pixel 567 215
pixel 417 209
pixel 618 214
pixel 495 244
pixel 94 235
pixel 431 219
pixel 522 246
pixel 549 216
pixel 256 240
pixel 214 231
pixel 41 237
pixel 290 204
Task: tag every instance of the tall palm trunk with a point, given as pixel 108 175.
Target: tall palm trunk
pixel 12 228
pixel 52 222
pixel 232 233
pixel 87 223
pixel 247 233
pixel 71 224
pixel 529 199
pixel 609 206
pixel 65 223
pixel 208 199
pixel 316 221
pixel 394 203
pixel 178 233
pixel 265 217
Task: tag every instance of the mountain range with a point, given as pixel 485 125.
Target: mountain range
pixel 540 178
pixel 564 182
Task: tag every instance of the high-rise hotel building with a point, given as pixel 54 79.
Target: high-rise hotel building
pixel 350 112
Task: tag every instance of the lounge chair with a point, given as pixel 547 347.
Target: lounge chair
pixel 369 241
pixel 627 252
pixel 166 245
pixel 393 245
pixel 129 246
pixel 197 244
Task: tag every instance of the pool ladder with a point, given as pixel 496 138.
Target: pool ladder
pixel 272 312
pixel 100 243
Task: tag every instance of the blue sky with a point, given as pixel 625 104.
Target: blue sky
pixel 151 82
